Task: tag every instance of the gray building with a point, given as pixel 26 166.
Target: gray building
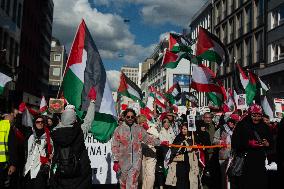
pixel 131 73
pixel 10 37
pixel 58 58
pixel 274 67
pixel 35 47
pixel 240 25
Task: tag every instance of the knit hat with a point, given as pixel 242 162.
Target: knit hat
pixel 68 117
pixel 255 109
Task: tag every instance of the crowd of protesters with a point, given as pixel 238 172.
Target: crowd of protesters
pixel 200 158
pixel 164 153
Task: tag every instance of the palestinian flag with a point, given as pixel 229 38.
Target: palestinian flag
pixel 171 60
pixel 209 47
pixel 85 70
pixel 129 89
pixel 216 98
pixel 204 80
pixel 43 106
pixel 174 93
pixel 229 105
pixel 178 43
pixel 159 99
pixel 245 83
pixel 268 105
pixel 237 83
pixel 4 79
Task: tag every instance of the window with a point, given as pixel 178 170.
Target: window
pixel 281 54
pixel 281 15
pixel 19 17
pixel 57 57
pixel 8 7
pixel 15 10
pixel 56 72
pixel 3 4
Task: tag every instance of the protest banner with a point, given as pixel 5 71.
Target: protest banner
pixel 101 161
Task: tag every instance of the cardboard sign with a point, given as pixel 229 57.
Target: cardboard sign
pixel 279 107
pixel 191 123
pixel 56 105
pixel 181 110
pixel 241 102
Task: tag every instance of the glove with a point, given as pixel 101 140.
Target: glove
pixel 253 144
pixel 92 94
pixel 116 167
pixel 164 143
pixel 223 143
pixel 22 107
pixel 145 126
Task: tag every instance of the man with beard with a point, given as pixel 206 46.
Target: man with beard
pixel 253 138
pixel 127 150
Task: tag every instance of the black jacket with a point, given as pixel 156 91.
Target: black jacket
pixel 73 137
pixel 254 167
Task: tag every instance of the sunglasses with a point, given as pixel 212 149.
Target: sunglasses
pixel 39 122
pixel 129 117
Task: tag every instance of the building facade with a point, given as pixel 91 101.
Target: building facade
pixel 58 58
pixel 274 67
pixel 10 38
pixel 240 25
pixel 131 72
pixel 163 78
pixel 203 18
pixel 35 49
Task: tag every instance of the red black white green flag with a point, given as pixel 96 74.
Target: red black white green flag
pixel 84 71
pixel 209 47
pixel 129 89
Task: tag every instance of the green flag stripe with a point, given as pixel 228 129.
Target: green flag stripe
pixel 211 55
pixel 103 126
pixel 72 88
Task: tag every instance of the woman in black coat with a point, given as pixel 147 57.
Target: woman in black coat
pixel 182 167
pixel 70 134
pixel 253 137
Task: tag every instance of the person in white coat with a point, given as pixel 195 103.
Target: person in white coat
pixel 38 155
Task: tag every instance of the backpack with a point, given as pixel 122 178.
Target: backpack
pixel 68 164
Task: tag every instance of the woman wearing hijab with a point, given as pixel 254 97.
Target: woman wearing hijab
pixel 252 136
pixel 38 153
pixel 69 137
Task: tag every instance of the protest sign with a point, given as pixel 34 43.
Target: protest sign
pixel 56 105
pixel 101 161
